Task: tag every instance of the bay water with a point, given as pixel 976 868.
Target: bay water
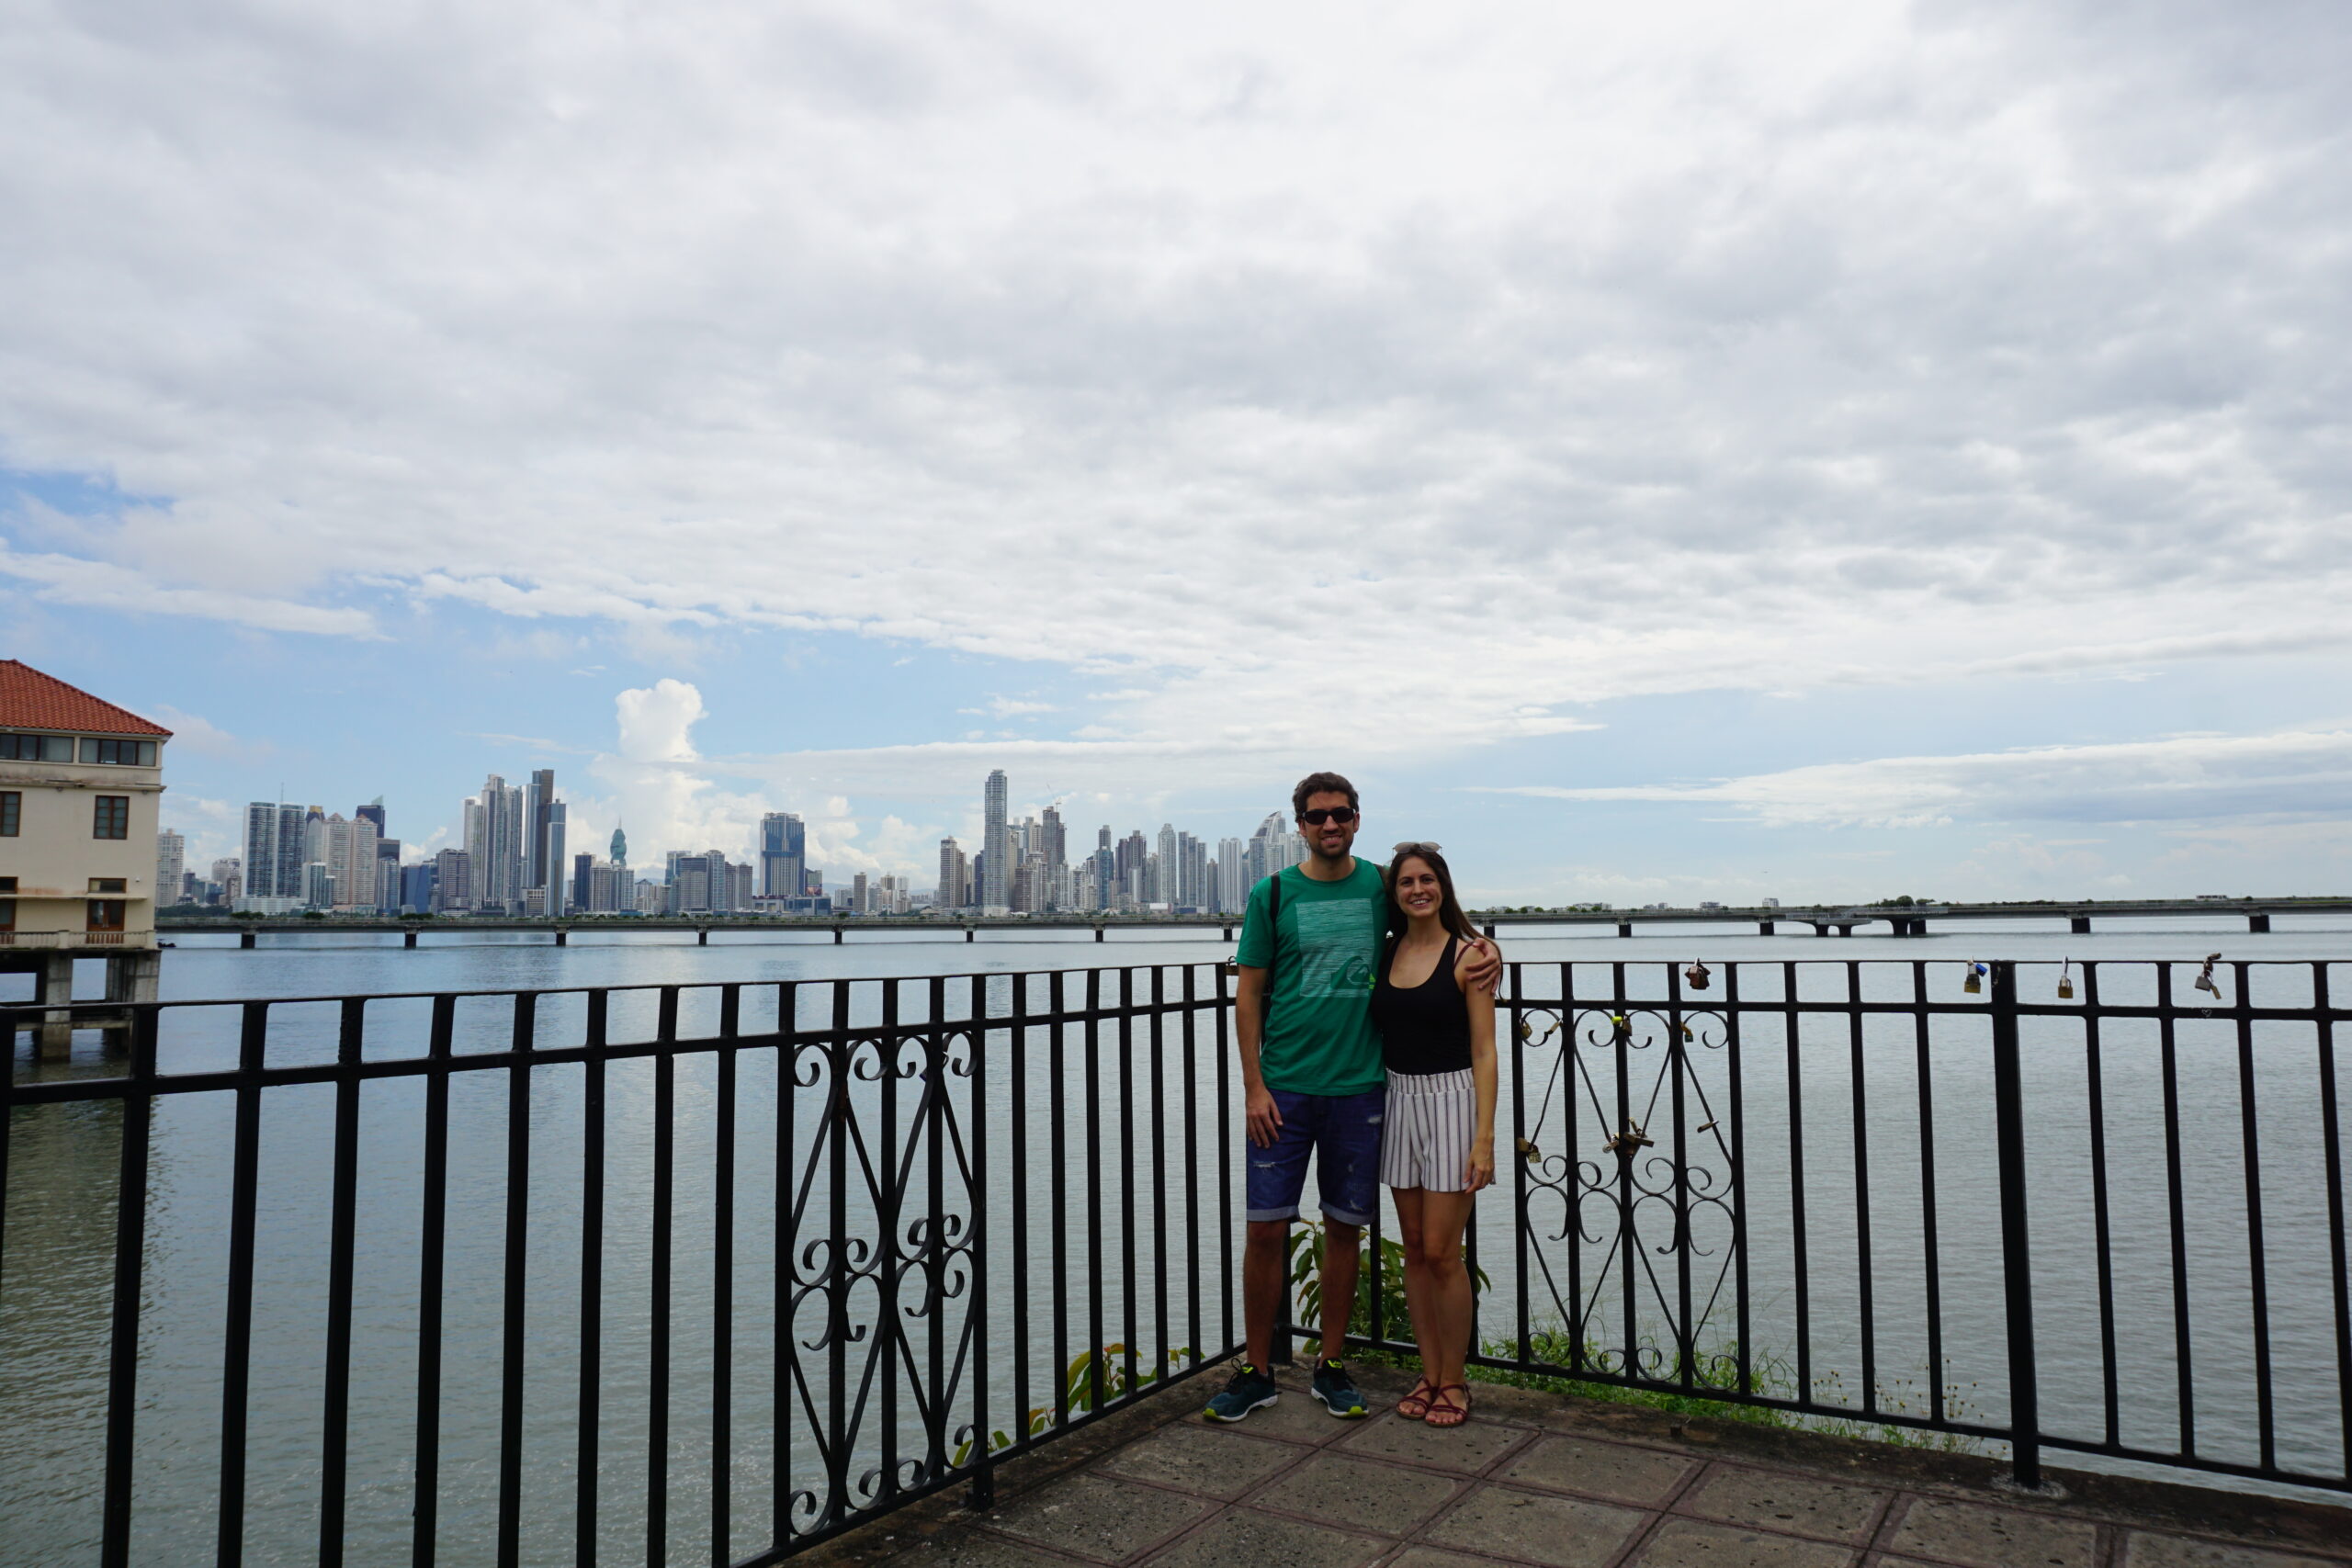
pixel 1828 1247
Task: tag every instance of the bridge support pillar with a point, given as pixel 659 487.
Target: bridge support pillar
pixel 408 939
pixel 702 936
pixel 134 976
pixel 53 987
pixel 1098 934
pixel 1625 927
pixel 2257 923
pixel 1225 933
pixel 838 932
pixel 1490 930
pixel 1764 928
pixel 2080 925
pixel 563 937
pixel 1845 931
pixel 971 934
pixel 246 939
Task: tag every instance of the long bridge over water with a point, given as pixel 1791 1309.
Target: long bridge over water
pixel 1822 921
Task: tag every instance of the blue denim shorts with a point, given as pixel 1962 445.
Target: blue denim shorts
pixel 1343 1131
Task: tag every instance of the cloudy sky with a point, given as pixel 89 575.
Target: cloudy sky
pixel 1666 451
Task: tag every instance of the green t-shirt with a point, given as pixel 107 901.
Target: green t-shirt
pixel 1320 1039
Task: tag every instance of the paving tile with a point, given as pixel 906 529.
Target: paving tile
pixel 1216 1462
pixel 1692 1543
pixel 1097 1516
pixel 1985 1537
pixel 1614 1471
pixel 1467 1448
pixel 972 1549
pixel 1351 1490
pixel 2144 1550
pixel 1778 1501
pixel 1294 1416
pixel 1430 1557
pixel 1537 1527
pixel 1267 1540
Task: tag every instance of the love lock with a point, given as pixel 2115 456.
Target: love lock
pixel 2205 977
pixel 1974 984
pixel 1626 1143
pixel 2066 981
pixel 1698 976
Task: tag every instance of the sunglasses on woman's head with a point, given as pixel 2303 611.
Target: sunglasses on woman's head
pixel 1415 846
pixel 1342 815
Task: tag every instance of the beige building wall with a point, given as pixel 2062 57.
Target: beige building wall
pixel 56 855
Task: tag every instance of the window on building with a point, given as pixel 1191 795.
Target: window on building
pixel 126 753
pixel 8 914
pixel 106 914
pixel 113 816
pixel 36 747
pixel 11 805
pixel 108 884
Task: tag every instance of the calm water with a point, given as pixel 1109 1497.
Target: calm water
pixel 1129 1185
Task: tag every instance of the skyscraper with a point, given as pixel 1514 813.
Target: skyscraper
pixel 996 845
pixel 954 875
pixel 170 850
pixel 496 838
pixel 1053 846
pixel 621 846
pixel 373 812
pixel 784 854
pixel 545 863
pixel 551 855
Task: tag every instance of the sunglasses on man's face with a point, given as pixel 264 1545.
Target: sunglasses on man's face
pixel 1342 815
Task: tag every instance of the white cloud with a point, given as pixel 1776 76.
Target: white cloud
pixel 68 580
pixel 1292 371
pixel 192 732
pixel 2286 775
pixel 662 788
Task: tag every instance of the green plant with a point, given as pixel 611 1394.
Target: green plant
pixel 1079 1385
pixel 1396 1317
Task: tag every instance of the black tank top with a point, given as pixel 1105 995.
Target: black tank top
pixel 1423 1028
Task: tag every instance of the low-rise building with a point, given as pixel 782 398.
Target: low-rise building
pixel 80 783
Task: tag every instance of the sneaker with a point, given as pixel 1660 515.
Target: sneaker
pixel 1249 1390
pixel 1337 1391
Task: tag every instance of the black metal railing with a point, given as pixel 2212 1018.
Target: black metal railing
pixel 2121 1216
pixel 980 1220
pixel 679 1272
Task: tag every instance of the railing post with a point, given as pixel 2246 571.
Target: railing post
pixel 2016 1249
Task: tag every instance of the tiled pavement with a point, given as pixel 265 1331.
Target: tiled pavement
pixel 1534 1481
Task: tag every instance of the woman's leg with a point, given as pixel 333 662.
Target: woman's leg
pixel 1445 1344
pixel 1410 1235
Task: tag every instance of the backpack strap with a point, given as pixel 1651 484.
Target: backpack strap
pixel 1274 933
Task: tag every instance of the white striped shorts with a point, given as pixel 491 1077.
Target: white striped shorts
pixel 1432 1118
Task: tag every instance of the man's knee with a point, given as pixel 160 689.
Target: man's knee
pixel 1338 1237
pixel 1268 1235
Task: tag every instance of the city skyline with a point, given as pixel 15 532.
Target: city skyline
pixel 512 860
pixel 1660 453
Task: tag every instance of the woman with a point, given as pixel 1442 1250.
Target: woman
pixel 1437 1038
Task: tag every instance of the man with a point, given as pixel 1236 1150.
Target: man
pixel 1312 1082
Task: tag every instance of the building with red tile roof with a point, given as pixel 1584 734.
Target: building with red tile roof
pixel 30 700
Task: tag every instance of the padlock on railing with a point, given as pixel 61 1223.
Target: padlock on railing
pixel 1697 976
pixel 1974 984
pixel 2066 981
pixel 2205 977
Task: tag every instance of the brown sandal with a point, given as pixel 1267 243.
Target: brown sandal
pixel 1415 1405
pixel 1444 1411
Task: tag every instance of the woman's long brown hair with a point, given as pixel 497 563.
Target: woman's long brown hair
pixel 1449 908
